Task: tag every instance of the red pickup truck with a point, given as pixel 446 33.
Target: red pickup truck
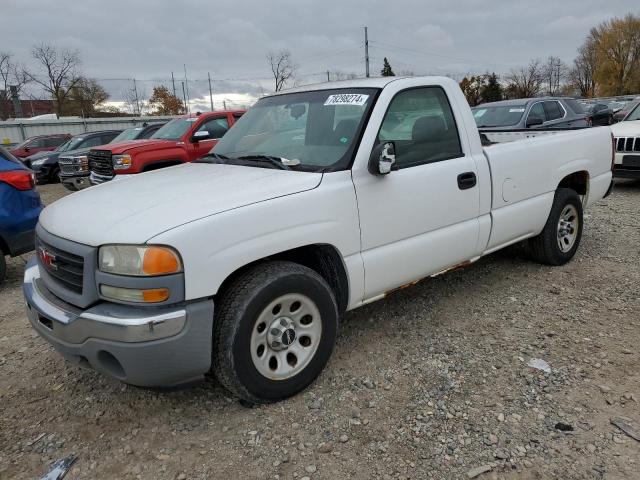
pixel 182 140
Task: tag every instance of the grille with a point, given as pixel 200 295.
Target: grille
pixel 100 162
pixel 66 166
pixel 63 267
pixel 628 144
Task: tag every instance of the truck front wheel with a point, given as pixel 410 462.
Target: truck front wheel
pixel 559 241
pixel 274 331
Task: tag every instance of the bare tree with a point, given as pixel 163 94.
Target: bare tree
pixel 60 72
pixel 554 72
pixel 11 77
pixel 526 82
pixel 282 67
pixel 582 76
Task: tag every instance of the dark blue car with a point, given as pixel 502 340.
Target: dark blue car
pixel 20 207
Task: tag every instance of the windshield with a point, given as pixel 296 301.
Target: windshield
pixel 634 114
pixel 128 134
pixel 175 129
pixel 503 116
pixel 318 129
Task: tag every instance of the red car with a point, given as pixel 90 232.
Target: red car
pixel 182 140
pixel 41 143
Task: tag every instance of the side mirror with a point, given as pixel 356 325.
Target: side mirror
pixel 382 159
pixel 201 135
pixel 532 122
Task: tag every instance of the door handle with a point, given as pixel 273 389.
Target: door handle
pixel 467 180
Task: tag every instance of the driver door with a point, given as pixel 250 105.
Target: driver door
pixel 216 128
pixel 422 217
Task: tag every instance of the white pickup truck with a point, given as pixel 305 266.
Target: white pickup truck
pixel 319 200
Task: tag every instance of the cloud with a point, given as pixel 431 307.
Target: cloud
pixel 147 39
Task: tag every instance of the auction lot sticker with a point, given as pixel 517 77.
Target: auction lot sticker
pixel 347 99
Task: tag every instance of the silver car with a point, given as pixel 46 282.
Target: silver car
pixel 545 112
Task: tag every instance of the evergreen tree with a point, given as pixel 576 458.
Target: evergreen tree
pixel 386 69
pixel 491 91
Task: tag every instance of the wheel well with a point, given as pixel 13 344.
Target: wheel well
pixel 159 165
pixel 321 258
pixel 577 181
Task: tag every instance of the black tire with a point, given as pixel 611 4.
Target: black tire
pixel 545 247
pixel 3 267
pixel 54 175
pixel 237 313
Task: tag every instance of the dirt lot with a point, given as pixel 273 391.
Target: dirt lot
pixel 430 383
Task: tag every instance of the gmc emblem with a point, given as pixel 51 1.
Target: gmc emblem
pixel 47 258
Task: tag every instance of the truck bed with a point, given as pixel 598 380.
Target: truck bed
pixel 524 177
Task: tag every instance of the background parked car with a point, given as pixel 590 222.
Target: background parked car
pixel 42 143
pixel 181 140
pixel 546 112
pixel 74 164
pixel 45 165
pixel 20 207
pixel 600 114
pixel 138 133
pixel 622 113
pixel 627 141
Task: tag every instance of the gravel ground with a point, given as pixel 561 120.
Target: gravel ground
pixel 432 382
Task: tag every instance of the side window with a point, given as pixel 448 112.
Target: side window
pixel 91 142
pixel 107 138
pixel 37 143
pixel 421 124
pixel 216 127
pixel 54 141
pixel 537 111
pixel 553 110
pixel 148 133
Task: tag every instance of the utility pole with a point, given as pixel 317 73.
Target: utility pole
pixel 186 82
pixel 184 98
pixel 173 82
pixel 366 52
pixel 135 91
pixel 328 78
pixel 210 94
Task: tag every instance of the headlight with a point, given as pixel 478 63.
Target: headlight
pixel 139 261
pixel 81 163
pixel 39 161
pixel 121 162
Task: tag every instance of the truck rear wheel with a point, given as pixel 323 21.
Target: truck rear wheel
pixel 560 239
pixel 274 331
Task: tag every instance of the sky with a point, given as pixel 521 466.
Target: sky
pixel 148 39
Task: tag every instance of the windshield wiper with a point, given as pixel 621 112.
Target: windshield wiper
pixel 212 157
pixel 275 161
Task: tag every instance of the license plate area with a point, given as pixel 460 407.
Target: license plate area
pixel 631 161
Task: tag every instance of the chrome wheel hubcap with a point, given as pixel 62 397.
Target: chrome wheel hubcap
pixel 286 336
pixel 568 228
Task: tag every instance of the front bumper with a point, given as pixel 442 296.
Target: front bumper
pixel 75 183
pixel 143 346
pixel 621 172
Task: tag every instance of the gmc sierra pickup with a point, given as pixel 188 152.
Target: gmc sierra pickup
pixel 181 140
pixel 319 200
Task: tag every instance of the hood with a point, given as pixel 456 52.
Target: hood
pixel 138 145
pixel 137 208
pixel 74 153
pixel 37 156
pixel 626 129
